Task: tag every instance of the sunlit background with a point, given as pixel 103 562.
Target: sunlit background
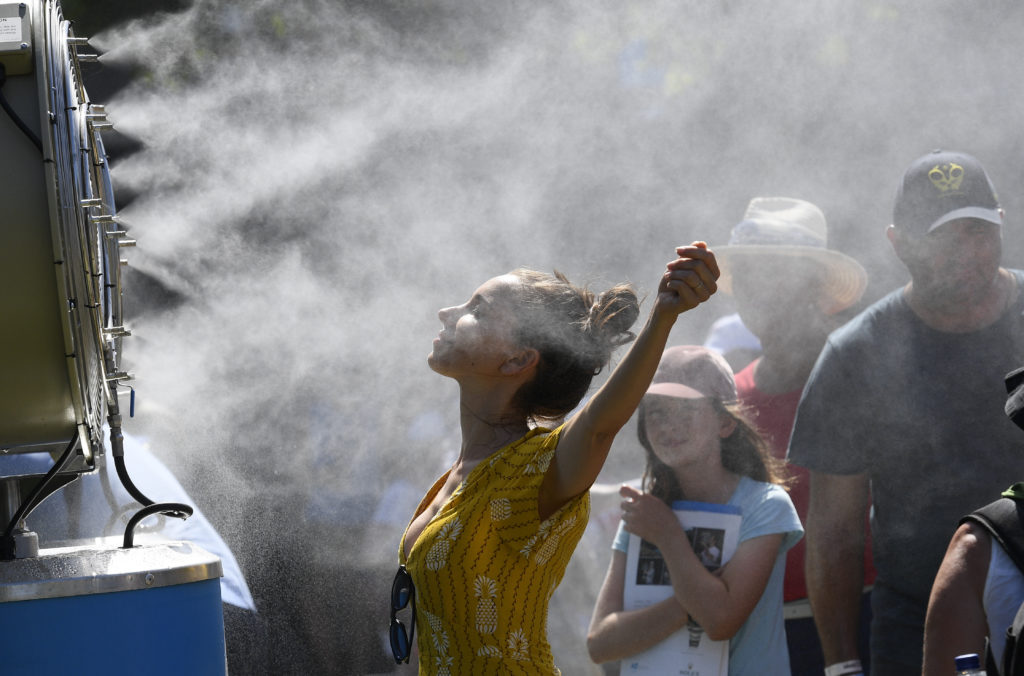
pixel 309 181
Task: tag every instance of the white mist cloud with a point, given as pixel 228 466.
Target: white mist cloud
pixel 318 178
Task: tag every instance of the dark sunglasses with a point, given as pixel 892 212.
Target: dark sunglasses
pixel 402 593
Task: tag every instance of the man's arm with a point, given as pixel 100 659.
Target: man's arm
pixel 835 560
pixel 956 622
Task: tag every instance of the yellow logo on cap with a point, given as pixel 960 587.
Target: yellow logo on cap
pixel 946 176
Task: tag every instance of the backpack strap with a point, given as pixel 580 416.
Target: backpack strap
pixel 990 657
pixel 1013 656
pixel 1004 519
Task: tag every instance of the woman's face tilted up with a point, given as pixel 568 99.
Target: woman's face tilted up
pixel 476 337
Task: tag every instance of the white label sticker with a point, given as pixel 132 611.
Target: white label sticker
pixel 10 29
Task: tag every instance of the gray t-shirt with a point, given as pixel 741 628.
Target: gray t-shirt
pixel 921 412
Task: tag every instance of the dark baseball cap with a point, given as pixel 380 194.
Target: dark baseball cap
pixel 944 186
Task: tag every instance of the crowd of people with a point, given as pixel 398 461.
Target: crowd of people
pixel 852 446
pixel 871 454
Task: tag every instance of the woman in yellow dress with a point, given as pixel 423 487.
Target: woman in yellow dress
pixel 490 541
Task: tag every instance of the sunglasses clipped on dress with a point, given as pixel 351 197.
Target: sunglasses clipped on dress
pixel 403 592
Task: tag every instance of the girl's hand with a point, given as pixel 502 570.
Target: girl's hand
pixel 689 280
pixel 648 517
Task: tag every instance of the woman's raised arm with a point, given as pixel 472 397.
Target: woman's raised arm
pixel 688 281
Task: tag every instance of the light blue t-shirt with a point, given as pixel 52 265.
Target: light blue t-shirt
pixel 759 647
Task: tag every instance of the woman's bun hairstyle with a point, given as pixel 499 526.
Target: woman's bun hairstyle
pixel 575 334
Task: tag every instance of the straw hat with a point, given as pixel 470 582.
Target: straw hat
pixel 784 226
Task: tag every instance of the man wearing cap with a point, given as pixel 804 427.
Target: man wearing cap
pixel 905 400
pixel 791 291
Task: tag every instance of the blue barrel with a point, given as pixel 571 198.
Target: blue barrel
pixel 153 609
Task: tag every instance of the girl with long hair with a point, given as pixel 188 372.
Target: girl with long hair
pixel 700 447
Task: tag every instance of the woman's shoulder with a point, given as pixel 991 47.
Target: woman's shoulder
pixel 537 439
pixel 530 454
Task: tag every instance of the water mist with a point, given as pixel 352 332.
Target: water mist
pixel 318 178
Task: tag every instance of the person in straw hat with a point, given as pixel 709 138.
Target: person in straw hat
pixel 790 291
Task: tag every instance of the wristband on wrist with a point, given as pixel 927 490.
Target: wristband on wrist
pixel 848 668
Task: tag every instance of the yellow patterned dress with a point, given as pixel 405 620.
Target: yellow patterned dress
pixel 485 567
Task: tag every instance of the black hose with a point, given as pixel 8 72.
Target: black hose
pixel 126 481
pixel 13 115
pixel 116 508
pixel 7 541
pixel 175 509
pixel 172 509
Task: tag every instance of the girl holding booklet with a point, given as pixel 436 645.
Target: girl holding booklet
pixel 701 448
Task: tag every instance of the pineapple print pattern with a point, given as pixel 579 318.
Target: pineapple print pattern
pixel 443 665
pixel 541 533
pixel 439 639
pixel 437 557
pixel 501 509
pixel 486 567
pixel 550 546
pixel 518 646
pixel 542 460
pixel 486 590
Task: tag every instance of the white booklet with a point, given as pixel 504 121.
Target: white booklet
pixel 714 532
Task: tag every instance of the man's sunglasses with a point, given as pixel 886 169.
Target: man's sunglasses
pixel 402 593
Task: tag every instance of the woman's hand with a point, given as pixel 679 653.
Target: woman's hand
pixel 689 280
pixel 648 517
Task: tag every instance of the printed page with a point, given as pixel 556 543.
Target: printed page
pixel 713 531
